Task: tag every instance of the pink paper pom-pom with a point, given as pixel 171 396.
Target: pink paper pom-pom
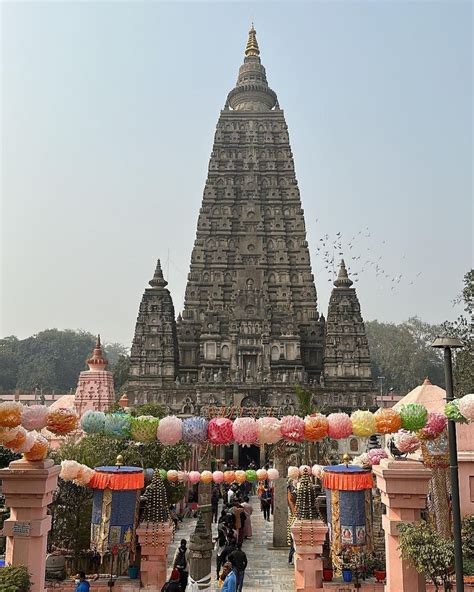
pixel 218 476
pixel 273 474
pixel 317 471
pixel 220 431
pixel 245 431
pixel 194 477
pixel 170 430
pixel 269 430
pixel 262 474
pixel 181 475
pixel 406 441
pixel 339 425
pixel 304 468
pixel 466 406
pixel 292 428
pixel 376 455
pixel 293 472
pixel 435 425
pixel 34 417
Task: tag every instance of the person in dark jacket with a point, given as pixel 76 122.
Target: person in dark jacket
pixel 238 558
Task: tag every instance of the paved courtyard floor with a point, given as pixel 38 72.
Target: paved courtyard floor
pixel 267 569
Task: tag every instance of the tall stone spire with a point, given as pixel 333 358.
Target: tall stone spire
pixel 252 48
pixel 250 311
pixel 342 280
pixel 346 354
pixel 252 92
pixel 158 281
pixel 154 353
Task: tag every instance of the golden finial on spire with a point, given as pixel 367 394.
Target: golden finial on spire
pixel 252 48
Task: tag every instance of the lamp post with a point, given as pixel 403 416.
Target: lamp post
pixel 447 344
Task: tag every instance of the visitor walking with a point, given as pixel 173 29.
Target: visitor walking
pixel 82 585
pixel 265 503
pixel 180 562
pixel 230 546
pixel 248 509
pixel 220 545
pixel 173 584
pixel 238 558
pixel 215 497
pixel 230 494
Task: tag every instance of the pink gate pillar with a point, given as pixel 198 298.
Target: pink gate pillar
pixel 403 485
pixel 28 488
pixel 154 544
pixel 309 537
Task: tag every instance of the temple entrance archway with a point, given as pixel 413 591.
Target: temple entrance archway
pixel 248 454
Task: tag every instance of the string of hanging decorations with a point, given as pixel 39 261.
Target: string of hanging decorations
pixel 83 475
pixel 20 426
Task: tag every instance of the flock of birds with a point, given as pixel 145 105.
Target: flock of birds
pixel 359 258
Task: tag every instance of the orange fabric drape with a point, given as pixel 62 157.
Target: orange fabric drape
pixel 117 481
pixel 348 481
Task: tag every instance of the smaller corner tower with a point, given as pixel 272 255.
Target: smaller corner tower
pixel 95 387
pixel 154 353
pixel 347 365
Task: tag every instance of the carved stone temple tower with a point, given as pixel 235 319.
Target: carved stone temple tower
pixel 250 329
pixel 346 356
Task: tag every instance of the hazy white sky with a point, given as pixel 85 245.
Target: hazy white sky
pixel 108 116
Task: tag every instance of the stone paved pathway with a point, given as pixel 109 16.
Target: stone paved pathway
pixel 267 569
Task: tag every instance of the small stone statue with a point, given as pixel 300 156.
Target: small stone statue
pixel 321 379
pixel 284 376
pixel 177 381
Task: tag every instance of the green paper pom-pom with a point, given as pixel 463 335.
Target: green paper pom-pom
pixel 143 428
pixel 163 474
pixel 451 410
pixel 413 416
pixel 251 475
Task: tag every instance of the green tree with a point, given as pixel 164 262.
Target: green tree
pixel 53 359
pixel 9 363
pixel 120 372
pixel 403 353
pixel 153 409
pixel 428 552
pixel 462 328
pixel 113 353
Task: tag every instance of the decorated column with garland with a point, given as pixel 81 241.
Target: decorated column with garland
pixel 309 533
pixel 154 534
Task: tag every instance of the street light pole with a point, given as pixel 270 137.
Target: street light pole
pixel 448 343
